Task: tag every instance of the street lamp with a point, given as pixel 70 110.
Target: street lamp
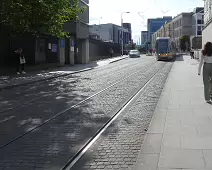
pixel 99 27
pixel 142 16
pixel 122 32
pixel 163 12
pixel 100 20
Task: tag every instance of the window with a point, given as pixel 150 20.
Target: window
pixel 199 21
pixel 199 32
pixel 199 28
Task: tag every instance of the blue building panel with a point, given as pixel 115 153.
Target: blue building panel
pixel 155 24
pixel 144 35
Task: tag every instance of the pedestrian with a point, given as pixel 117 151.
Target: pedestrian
pixel 192 53
pixel 111 52
pixel 206 59
pixel 20 61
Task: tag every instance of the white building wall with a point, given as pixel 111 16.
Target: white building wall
pixel 208 11
pixel 207 31
pixel 207 34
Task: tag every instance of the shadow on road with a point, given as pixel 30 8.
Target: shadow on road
pixel 53 144
pixel 179 58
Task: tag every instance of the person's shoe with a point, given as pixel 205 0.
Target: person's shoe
pixel 23 72
pixel 17 73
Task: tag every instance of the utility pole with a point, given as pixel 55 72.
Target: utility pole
pixel 122 33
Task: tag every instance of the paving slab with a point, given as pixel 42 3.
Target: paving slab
pixel 183 120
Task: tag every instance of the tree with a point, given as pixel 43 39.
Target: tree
pixel 38 16
pixel 185 42
pixel 133 46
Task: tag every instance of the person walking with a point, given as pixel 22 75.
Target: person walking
pixel 192 53
pixel 206 59
pixel 111 52
pixel 20 61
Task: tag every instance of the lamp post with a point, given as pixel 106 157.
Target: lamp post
pixel 99 27
pixel 142 16
pixel 122 32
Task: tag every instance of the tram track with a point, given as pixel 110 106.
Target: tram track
pixel 35 97
pixel 73 106
pixel 99 131
pixel 94 138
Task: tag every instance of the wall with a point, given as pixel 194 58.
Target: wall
pixel 84 17
pixel 82 30
pixel 100 50
pixel 104 30
pixel 207 11
pixel 35 49
pixel 52 57
pixel 207 30
pixel 13 42
pixel 110 32
pixel 81 27
pixel 4 49
pixel 206 34
pixel 196 42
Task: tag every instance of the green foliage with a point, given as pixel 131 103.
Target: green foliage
pixel 185 42
pixel 182 38
pixel 133 46
pixel 38 16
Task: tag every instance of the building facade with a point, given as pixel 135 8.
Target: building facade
pixel 144 35
pixel 45 49
pixel 179 26
pixel 207 29
pixel 185 24
pixel 164 31
pixel 129 27
pixel 153 25
pixel 198 21
pixel 79 36
pixel 111 33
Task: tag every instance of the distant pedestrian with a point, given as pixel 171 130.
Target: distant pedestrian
pixel 206 58
pixel 111 52
pixel 192 53
pixel 20 61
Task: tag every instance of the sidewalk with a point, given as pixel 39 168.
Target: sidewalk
pixel 180 134
pixel 7 82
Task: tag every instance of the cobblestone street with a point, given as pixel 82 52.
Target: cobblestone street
pixel 43 125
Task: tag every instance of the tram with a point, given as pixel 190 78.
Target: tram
pixel 164 49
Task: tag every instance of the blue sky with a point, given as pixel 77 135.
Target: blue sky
pixel 109 11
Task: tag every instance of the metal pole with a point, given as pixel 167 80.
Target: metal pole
pixel 122 42
pixel 122 32
pixel 99 27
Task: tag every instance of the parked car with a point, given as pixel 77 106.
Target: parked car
pixel 134 53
